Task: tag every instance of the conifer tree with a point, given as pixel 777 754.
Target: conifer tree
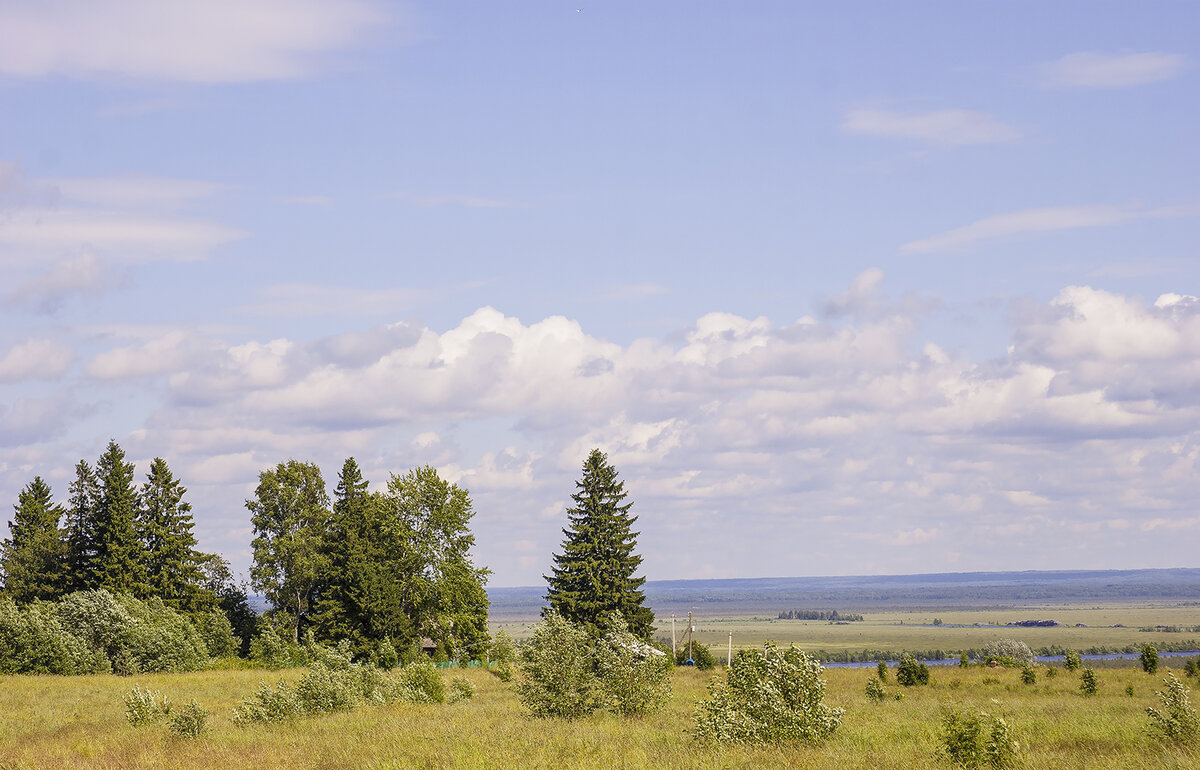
pixel 81 530
pixel 32 555
pixel 118 566
pixel 169 557
pixel 594 574
pixel 360 599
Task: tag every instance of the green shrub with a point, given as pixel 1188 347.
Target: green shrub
pixel 421 683
pixel 1008 652
pixel 461 688
pixel 767 696
pixel 881 670
pixel 1028 675
pixel 963 660
pixel 269 704
pixel 386 656
pixel 33 640
pixel 503 671
pixel 325 689
pixel 1088 683
pixel 1072 661
pixel 1192 667
pixel 977 739
pixel 190 722
pixel 702 657
pixel 635 678
pixel 1149 658
pixel 1177 721
pixel 911 672
pixel 1051 672
pixel 556 671
pixel 269 650
pixel 143 707
pixel 217 633
pixel 875 691
pixel 502 649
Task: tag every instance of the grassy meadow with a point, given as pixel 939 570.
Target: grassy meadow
pixel 48 721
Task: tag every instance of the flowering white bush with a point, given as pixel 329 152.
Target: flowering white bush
pixel 767 696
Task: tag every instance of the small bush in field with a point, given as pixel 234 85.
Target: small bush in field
pixel 881 670
pixel 977 740
pixel 421 683
pixel 269 704
pixel 1008 652
pixel 461 688
pixel 1072 661
pixel 1051 672
pixel 1088 683
pixel 1028 675
pixel 635 678
pixel 190 722
pixel 875 691
pixel 1177 720
pixel 325 688
pixel 911 672
pixel 1149 658
pixel 556 671
pixel 963 660
pixel 143 706
pixel 767 696
pixel 1191 668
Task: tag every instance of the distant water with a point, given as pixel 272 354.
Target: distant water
pixel 1038 658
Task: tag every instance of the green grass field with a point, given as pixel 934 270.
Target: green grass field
pixel 48 721
pixel 79 722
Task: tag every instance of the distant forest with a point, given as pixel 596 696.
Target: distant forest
pixel 833 616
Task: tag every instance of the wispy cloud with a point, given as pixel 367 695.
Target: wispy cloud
pixel 942 127
pixel 217 41
pixel 35 359
pixel 81 274
pixel 1040 220
pixel 1101 70
pixel 134 192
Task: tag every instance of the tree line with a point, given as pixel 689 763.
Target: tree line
pixel 366 566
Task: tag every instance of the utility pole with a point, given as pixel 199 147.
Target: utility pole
pixel 673 653
pixel 729 654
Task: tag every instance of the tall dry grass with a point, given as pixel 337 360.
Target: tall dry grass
pixel 48 722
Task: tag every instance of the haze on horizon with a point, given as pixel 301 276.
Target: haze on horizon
pixel 841 290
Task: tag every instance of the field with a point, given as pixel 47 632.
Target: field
pixel 1114 625
pixel 79 722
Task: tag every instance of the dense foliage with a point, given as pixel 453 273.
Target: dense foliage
pixel 593 577
pixel 1176 720
pixel 391 566
pixel 97 632
pixel 767 696
pixel 567 671
pixel 911 672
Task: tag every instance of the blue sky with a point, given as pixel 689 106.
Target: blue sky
pixel 849 288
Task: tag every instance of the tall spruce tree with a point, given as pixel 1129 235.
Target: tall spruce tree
pixel 82 574
pixel 32 555
pixel 290 514
pixel 169 557
pixel 594 574
pixel 118 564
pixel 362 598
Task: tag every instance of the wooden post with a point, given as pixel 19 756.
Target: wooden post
pixel 729 654
pixel 673 653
